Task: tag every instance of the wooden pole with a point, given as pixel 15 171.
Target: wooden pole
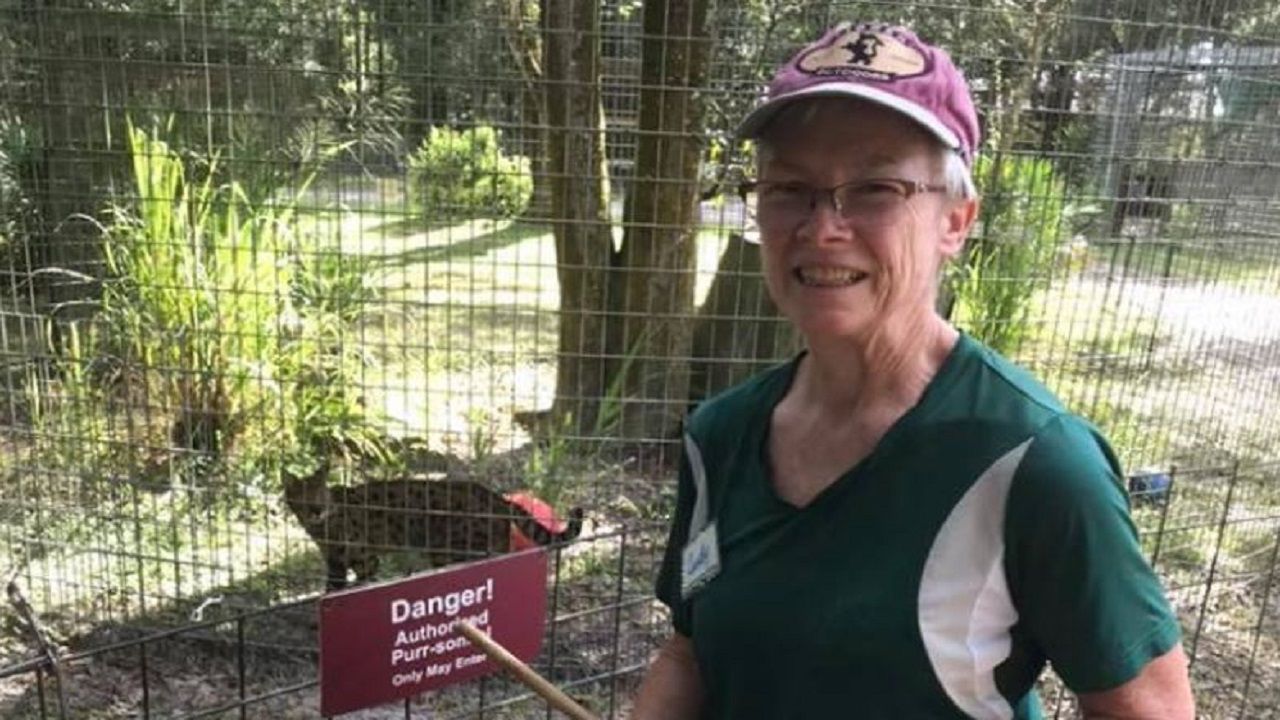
pixel 526 674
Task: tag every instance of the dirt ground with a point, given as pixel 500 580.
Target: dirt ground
pixel 605 624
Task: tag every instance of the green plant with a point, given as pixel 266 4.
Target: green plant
pixel 360 95
pixel 229 333
pixel 19 216
pixel 68 428
pixel 197 281
pixel 1022 223
pixel 330 282
pixel 546 470
pixel 609 415
pixel 1182 553
pixel 320 360
pixel 482 431
pixel 465 173
pixel 1251 547
pixel 368 115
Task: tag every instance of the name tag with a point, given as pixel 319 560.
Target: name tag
pixel 700 561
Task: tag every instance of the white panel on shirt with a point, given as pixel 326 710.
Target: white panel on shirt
pixel 965 611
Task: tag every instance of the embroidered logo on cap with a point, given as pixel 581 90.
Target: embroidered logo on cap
pixel 866 52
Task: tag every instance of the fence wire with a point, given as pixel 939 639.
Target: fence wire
pixel 248 245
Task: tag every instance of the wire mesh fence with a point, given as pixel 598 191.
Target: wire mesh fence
pixel 226 663
pixel 244 243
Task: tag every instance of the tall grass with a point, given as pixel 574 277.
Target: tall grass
pixel 221 352
pixel 1023 219
pixel 321 361
pixel 200 280
pixel 19 213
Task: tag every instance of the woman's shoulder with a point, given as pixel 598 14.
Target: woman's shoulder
pixel 1009 381
pixel 1001 405
pixel 729 409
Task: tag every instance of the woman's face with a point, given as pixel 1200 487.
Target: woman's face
pixel 846 277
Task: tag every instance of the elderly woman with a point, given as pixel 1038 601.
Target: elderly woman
pixel 897 523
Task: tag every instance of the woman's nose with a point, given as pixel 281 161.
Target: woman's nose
pixel 825 223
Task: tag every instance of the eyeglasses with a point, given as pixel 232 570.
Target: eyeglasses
pixel 865 204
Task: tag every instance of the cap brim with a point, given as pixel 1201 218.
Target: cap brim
pixel 757 119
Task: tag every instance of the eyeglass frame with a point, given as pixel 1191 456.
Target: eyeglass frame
pixel 907 189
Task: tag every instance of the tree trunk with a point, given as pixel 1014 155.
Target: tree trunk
pixel 739 331
pixel 66 169
pixel 655 279
pixel 579 203
pixel 525 45
pixel 1055 107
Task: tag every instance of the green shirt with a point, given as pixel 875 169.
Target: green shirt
pixel 987 534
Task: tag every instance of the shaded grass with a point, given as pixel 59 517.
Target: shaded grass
pixel 473 244
pixel 1231 261
pixel 464 245
pixel 468 321
pixel 1155 366
pixel 138 550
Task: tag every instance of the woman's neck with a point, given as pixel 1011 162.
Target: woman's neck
pixel 843 377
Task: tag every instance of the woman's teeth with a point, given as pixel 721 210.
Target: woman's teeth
pixel 828 276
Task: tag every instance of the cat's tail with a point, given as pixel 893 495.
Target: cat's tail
pixel 536 523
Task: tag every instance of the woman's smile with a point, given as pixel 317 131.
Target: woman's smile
pixel 828 276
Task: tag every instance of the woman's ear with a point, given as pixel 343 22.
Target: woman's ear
pixel 957 219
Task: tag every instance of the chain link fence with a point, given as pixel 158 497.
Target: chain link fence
pixel 244 245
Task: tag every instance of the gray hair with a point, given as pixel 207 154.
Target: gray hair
pixel 956 176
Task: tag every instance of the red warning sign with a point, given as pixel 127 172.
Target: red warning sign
pixel 387 642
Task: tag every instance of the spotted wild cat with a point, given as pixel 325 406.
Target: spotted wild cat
pixel 451 521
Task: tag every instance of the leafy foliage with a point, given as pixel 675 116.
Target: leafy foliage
pixel 320 361
pixel 1022 225
pixel 197 281
pixel 230 324
pixel 466 173
pixel 18 211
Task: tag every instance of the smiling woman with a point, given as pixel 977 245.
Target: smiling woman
pixel 839 169
pixel 864 526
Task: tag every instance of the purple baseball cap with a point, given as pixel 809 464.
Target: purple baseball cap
pixel 884 64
